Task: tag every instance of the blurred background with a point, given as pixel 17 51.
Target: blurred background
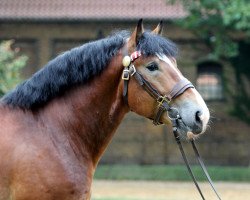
pixel 214 46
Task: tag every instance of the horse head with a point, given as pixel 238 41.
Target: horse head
pixel 152 61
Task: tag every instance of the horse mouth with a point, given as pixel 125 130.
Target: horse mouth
pixel 184 131
pixel 192 136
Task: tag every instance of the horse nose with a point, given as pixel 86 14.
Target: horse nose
pixel 198 124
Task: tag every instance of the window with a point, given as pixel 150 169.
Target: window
pixel 209 80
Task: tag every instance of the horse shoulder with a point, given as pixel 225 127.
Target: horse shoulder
pixel 34 166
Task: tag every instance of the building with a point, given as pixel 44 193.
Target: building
pixel 43 29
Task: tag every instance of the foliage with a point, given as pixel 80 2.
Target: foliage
pixel 241 65
pixel 10 65
pixel 217 22
pixel 224 26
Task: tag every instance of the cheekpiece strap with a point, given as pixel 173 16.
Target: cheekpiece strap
pixel 129 70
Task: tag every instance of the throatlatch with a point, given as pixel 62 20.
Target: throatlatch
pixel 164 106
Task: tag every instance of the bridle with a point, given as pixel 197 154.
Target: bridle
pixel 164 106
pixel 162 100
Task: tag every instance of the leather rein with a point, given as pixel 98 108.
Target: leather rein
pixel 164 106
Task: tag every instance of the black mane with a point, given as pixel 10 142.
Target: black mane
pixel 77 66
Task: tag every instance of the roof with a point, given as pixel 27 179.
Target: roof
pixel 88 9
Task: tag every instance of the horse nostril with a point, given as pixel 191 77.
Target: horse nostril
pixel 198 116
pixel 197 128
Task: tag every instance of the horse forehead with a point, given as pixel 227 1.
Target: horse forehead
pixel 167 60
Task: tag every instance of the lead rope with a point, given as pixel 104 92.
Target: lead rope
pixel 204 168
pixel 175 122
pixel 178 141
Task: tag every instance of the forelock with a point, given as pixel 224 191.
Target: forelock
pixel 151 44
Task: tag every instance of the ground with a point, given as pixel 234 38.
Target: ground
pixel 155 190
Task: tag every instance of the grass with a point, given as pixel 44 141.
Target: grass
pixel 170 173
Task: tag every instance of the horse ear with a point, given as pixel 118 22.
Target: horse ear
pixel 158 29
pixel 134 39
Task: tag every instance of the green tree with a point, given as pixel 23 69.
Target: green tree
pixel 10 65
pixel 224 26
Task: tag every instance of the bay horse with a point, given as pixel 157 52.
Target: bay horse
pixel 56 125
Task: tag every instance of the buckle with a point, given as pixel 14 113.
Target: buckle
pixel 125 74
pixel 162 99
pixel 132 70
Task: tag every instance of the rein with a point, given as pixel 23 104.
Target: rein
pixel 164 106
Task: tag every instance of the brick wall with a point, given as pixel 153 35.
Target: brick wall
pixel 137 140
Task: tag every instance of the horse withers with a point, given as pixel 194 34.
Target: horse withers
pixel 56 125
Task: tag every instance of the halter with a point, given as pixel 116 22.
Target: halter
pixel 164 106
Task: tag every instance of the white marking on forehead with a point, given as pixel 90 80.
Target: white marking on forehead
pixel 165 59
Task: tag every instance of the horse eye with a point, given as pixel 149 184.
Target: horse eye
pixel 152 67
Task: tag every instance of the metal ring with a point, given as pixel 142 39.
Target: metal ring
pixel 177 111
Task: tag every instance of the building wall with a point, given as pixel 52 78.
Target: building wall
pixel 137 140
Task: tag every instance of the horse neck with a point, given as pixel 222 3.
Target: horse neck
pixel 90 114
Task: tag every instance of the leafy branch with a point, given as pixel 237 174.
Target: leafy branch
pixel 10 65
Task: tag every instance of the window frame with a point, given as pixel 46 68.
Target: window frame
pixel 209 67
